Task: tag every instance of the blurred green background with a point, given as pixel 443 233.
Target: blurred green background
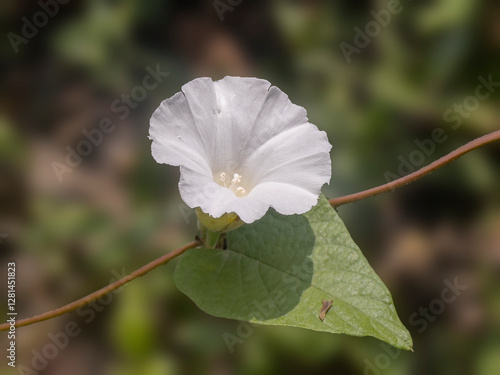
pixel 118 209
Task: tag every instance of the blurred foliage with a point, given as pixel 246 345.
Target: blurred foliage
pixel 118 209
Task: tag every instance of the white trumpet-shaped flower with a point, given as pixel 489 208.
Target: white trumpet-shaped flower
pixel 242 147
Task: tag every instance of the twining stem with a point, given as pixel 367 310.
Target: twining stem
pixel 479 142
pixel 336 202
pixel 107 289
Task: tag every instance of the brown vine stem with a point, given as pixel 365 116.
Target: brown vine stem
pixel 479 142
pixel 336 202
pixel 107 289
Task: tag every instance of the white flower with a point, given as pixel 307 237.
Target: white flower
pixel 242 147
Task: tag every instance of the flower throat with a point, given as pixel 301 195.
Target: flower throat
pixel 234 184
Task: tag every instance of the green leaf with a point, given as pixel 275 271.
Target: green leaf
pixel 279 269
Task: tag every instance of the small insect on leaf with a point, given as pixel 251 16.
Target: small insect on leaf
pixel 324 309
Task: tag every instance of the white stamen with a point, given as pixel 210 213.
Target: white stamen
pixel 236 179
pixel 235 185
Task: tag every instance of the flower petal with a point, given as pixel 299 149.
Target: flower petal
pixel 277 114
pixel 209 118
pixel 201 101
pixel 298 156
pixel 285 198
pixel 176 139
pixel 239 101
